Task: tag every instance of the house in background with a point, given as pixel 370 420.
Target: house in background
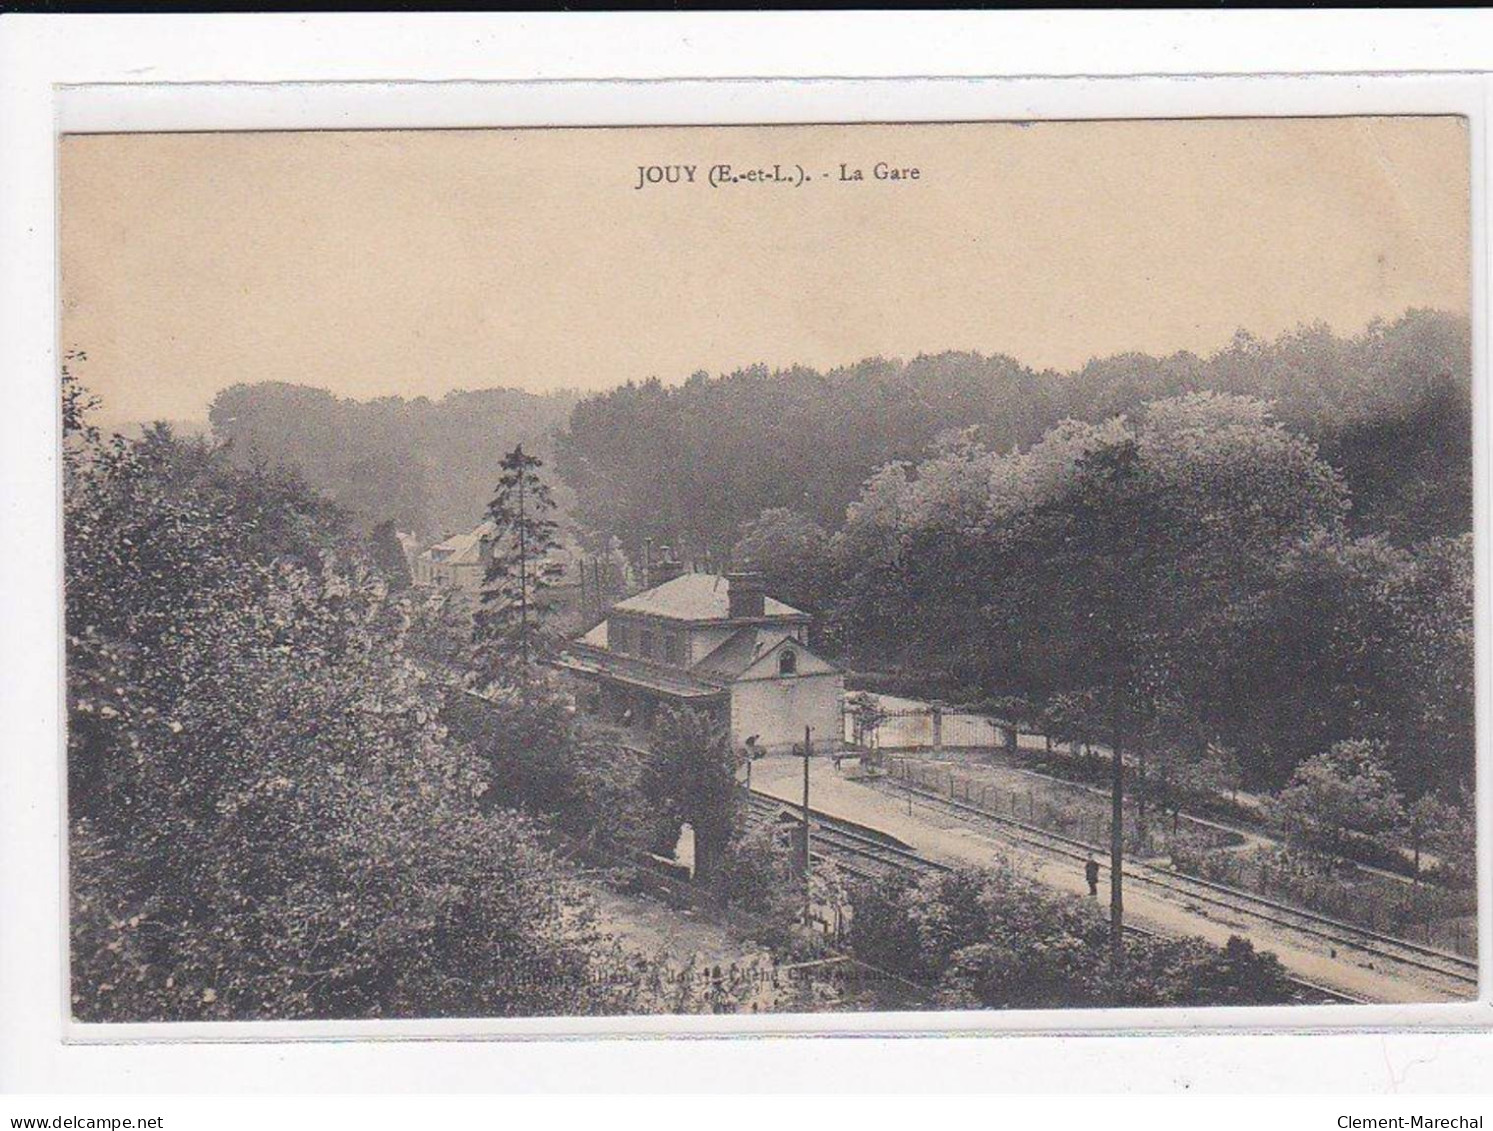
pixel 457 562
pixel 410 544
pixel 713 643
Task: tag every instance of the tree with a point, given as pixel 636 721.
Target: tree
pixel 1454 839
pixel 687 462
pixel 439 635
pixel 757 874
pixel 1366 639
pixel 872 614
pixel 1423 819
pixel 1109 566
pixel 540 759
pixel 267 819
pixel 1427 713
pixel 1185 773
pixel 867 717
pixel 78 404
pixel 690 777
pixel 1072 717
pixel 1349 789
pixel 523 538
pixel 1083 559
pixel 388 556
pixel 427 464
pixel 791 552
pixel 1324 619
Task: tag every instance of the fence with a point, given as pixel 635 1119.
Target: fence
pixel 911 724
pixel 1057 807
pixel 1419 913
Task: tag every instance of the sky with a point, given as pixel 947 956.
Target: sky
pixel 415 262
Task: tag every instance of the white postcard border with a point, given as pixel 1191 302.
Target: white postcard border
pixel 33 845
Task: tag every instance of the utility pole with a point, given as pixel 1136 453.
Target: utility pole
pixel 807 884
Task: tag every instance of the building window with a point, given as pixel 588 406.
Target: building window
pixel 618 637
pixel 674 648
pixel 645 644
pixel 788 662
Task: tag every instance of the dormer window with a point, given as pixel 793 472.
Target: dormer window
pixel 788 662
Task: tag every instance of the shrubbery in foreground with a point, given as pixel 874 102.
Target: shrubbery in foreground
pixel 990 938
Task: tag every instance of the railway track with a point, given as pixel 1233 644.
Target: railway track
pixel 1458 971
pixel 864 853
pixel 872 855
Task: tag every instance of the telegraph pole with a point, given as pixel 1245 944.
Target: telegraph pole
pixel 807 884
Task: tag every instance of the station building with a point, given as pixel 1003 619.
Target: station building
pixel 713 643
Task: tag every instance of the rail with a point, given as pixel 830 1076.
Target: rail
pixel 1456 967
pixel 844 838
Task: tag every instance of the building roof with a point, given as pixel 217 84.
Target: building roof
pixel 738 651
pixel 587 660
pixel 697 597
pixel 765 666
pixel 461 549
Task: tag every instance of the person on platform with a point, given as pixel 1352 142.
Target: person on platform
pixel 1091 873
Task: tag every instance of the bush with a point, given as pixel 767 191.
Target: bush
pixel 267 819
pixel 689 777
pixel 1332 797
pixel 994 939
pixel 756 875
pixel 539 758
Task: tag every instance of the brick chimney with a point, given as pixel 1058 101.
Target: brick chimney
pixel 744 594
pixel 667 568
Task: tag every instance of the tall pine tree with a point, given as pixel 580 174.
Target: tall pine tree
pixel 508 626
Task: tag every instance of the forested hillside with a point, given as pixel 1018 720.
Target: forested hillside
pixel 428 465
pixel 689 464
pixel 1268 549
pixel 1188 576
